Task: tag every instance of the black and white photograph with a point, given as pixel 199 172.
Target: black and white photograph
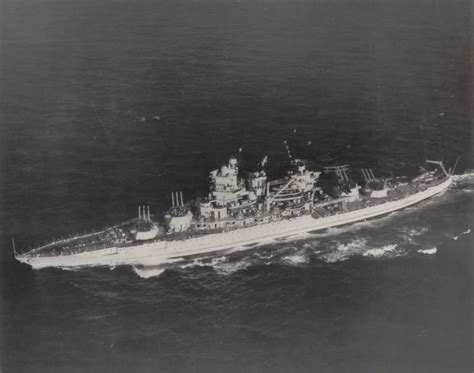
pixel 236 186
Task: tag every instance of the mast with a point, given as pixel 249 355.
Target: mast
pixel 287 147
pixel 454 167
pixel 240 162
pixel 14 247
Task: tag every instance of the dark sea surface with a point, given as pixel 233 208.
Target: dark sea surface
pixel 383 84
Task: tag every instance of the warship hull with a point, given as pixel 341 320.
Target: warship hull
pixel 168 251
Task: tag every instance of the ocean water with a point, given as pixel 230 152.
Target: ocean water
pixel 382 84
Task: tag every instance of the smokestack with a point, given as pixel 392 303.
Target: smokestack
pixel 138 212
pixel 148 208
pixel 172 199
pixel 372 173
pixel 181 195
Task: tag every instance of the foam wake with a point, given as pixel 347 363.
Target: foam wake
pixel 464 182
pixel 379 252
pixel 428 251
pixel 344 251
pixel 220 264
pixel 465 178
pixel 296 259
pixel 455 238
pixel 414 232
pixel 147 272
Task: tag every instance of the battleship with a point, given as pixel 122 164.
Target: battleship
pixel 243 210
